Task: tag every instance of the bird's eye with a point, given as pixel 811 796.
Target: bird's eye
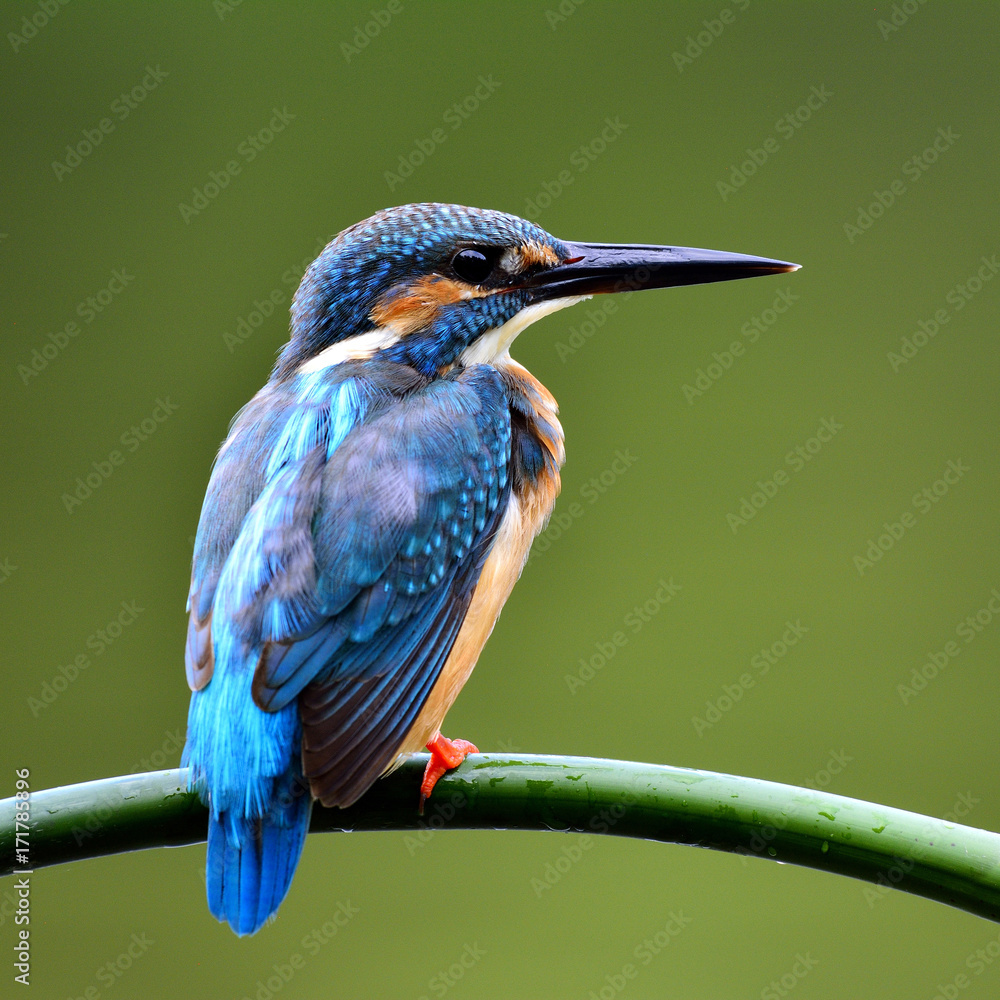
pixel 472 265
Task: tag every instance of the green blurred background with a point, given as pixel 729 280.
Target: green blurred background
pixel 885 85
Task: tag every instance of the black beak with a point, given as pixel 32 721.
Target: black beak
pixel 596 268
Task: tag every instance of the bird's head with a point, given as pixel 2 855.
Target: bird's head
pixel 432 285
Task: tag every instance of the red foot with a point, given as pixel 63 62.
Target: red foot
pixel 445 756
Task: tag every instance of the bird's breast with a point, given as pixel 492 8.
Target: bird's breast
pixel 537 454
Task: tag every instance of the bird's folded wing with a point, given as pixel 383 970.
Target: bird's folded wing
pixel 380 548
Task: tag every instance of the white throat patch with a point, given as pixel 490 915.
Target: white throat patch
pixel 496 343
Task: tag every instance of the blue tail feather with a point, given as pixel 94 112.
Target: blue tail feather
pixel 250 863
pixel 246 766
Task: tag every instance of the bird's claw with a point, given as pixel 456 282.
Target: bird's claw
pixel 446 755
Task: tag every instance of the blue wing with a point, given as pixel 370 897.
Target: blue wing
pixel 339 560
pixel 407 510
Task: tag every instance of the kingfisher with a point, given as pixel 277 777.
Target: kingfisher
pixel 368 515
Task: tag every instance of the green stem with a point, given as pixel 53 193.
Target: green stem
pixel 954 864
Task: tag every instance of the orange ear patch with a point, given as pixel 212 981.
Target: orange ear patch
pixel 415 307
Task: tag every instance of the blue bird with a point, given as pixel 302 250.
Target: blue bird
pixel 368 515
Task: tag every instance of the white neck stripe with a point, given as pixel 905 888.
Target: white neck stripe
pixel 491 346
pixel 360 347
